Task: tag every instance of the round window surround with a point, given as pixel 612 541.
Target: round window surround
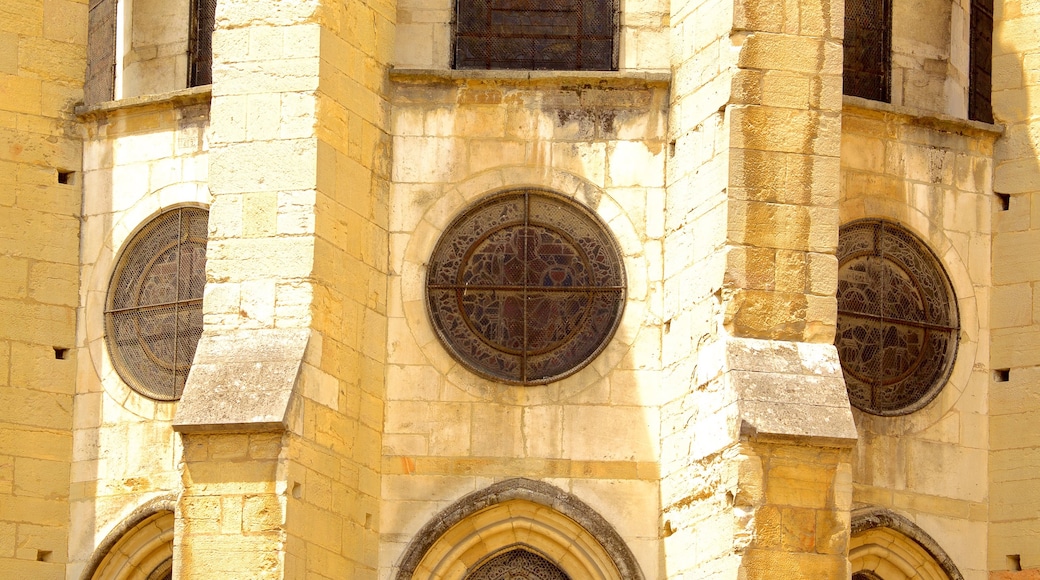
pixel 525 287
pixel 898 323
pixel 153 314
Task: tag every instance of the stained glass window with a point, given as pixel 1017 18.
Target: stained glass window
pixel 526 287
pixel 153 320
pixel 897 318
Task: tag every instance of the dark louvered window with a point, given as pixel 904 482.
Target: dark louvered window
pixel 536 34
pixel 101 52
pixel 200 49
pixel 980 83
pixel 868 49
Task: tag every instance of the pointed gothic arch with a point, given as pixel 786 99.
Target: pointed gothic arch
pixel 518 514
pixel 886 546
pixel 141 546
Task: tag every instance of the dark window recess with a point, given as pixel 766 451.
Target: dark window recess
pixel 536 34
pixel 200 44
pixel 518 563
pixel 980 81
pixel 868 49
pixel 101 52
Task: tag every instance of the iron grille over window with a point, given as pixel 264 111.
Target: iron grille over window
pixel 536 34
pixel 101 52
pixel 980 83
pixel 868 49
pixel 153 319
pixel 200 45
pixel 897 318
pixel 517 565
pixel 526 287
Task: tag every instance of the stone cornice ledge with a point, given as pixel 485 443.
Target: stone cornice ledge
pixel 787 392
pixel 170 100
pixel 913 116
pixel 241 381
pixel 532 77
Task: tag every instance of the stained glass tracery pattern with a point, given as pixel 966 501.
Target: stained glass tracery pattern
pixel 525 287
pixel 154 315
pixel 897 318
pixel 517 564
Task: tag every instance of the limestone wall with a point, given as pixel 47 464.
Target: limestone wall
pixel 141 157
pixel 933 176
pixel 1013 403
pixel 598 139
pixel 42 65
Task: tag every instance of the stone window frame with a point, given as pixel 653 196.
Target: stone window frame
pixel 434 218
pixel 104 235
pixel 462 28
pixel 608 244
pixel 514 514
pixel 965 87
pixel 138 546
pixel 113 36
pixel 886 544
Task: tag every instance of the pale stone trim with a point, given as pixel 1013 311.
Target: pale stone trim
pixel 136 546
pixel 170 100
pixel 150 206
pixel 452 202
pixel 512 514
pixel 895 548
pixel 964 289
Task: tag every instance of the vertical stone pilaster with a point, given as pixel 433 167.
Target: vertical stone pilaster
pixel 295 336
pixel 749 286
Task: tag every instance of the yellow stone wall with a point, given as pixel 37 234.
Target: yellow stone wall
pixel 1013 408
pixel 42 64
pixel 339 146
pixel 931 174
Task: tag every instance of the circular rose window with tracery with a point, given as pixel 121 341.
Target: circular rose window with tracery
pixel 526 287
pixel 153 318
pixel 897 318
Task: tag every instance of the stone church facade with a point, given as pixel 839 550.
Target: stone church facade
pixel 504 289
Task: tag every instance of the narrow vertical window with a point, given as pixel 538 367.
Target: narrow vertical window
pixel 536 34
pixel 101 52
pixel 868 49
pixel 200 44
pixel 980 81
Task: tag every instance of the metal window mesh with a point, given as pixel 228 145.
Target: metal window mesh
pixel 200 52
pixel 868 48
pixel 517 564
pixel 101 52
pixel 525 287
pixel 897 318
pixel 536 34
pixel 154 312
pixel 980 81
